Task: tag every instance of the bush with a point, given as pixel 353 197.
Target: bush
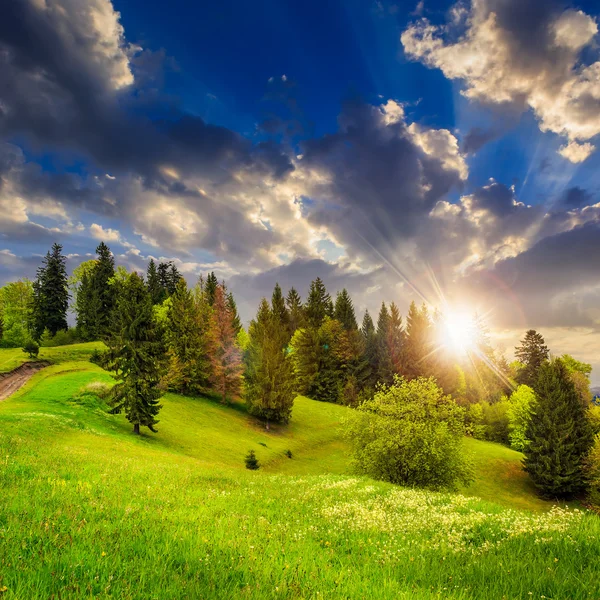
pixel 410 434
pixel 488 421
pixel 31 348
pixel 64 337
pixel 251 461
pixel 522 402
pixel 288 453
pixel 98 388
pixel 592 472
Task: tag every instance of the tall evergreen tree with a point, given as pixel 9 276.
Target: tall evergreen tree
pixel 173 277
pixel 295 310
pixel 136 355
pixel 153 283
pixel 189 370
pixel 102 273
pixel 232 306
pixel 278 307
pixel 559 434
pixel 225 355
pixel 50 294
pixel 532 352
pixel 318 305
pixel 395 340
pixel 369 336
pixel 87 306
pixel 418 342
pixel 210 287
pixel 385 369
pixel 344 311
pixel 270 380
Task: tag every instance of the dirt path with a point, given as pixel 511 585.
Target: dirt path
pixel 17 378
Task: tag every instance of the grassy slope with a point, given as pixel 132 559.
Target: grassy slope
pixel 11 358
pixel 91 511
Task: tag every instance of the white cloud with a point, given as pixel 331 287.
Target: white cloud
pixel 105 235
pixel 576 152
pixel 502 61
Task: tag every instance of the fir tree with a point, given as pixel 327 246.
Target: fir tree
pixel 251 461
pixel 237 323
pixel 87 306
pixel 532 352
pixel 153 283
pixel 135 355
pixel 102 273
pixel 295 311
pixel 270 380
pixel 173 277
pixel 210 287
pixel 187 339
pixel 395 340
pixel 225 355
pixel 318 304
pixel 344 311
pixel 417 344
pixel 280 311
pixel 369 336
pixel 559 434
pixel 50 294
pixel 385 368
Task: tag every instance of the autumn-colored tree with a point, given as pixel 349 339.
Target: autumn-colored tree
pixel 225 354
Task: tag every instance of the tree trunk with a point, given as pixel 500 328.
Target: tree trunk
pixel 136 428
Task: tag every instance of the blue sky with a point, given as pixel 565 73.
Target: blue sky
pixel 433 149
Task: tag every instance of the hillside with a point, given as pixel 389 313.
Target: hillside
pixel 91 510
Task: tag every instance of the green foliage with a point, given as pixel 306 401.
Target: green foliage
pixel 235 317
pixel 156 291
pixel 488 420
pixel 15 311
pixel 344 311
pixel 592 472
pixel 522 403
pixel 269 375
pixel 50 294
pixel 136 355
pixel 186 335
pixel 288 453
pixel 62 338
pixel 418 342
pixel 410 434
pixel 251 461
pixel 279 309
pixel 31 348
pixel 210 288
pixel 559 433
pixel 318 305
pixel 296 313
pixel 593 415
pixel 532 354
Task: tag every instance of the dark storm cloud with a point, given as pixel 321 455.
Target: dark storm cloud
pixel 576 197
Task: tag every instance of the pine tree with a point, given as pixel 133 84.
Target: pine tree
pixel 269 376
pixel 385 369
pixel 369 336
pixel 417 343
pixel 280 311
pixel 344 311
pixel 237 323
pixel 136 355
pixel 395 340
pixel 187 339
pixel 50 294
pixel 225 355
pixel 87 306
pixel 295 311
pixel 559 434
pixel 210 288
pixel 318 305
pixel 102 273
pixel 153 283
pixel 532 352
pixel 173 277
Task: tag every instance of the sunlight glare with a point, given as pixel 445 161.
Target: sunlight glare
pixel 459 332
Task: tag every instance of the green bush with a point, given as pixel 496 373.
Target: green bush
pixel 593 413
pixel 410 434
pixel 64 337
pixel 488 421
pixel 522 403
pixel 592 472
pixel 31 348
pixel 251 461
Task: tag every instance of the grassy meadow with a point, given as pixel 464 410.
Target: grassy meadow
pixel 87 510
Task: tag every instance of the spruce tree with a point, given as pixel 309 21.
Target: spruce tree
pixel 187 339
pixel 136 355
pixel 369 336
pixel 153 283
pixel 102 273
pixel 295 310
pixel 269 376
pixel 532 352
pixel 210 287
pixel 385 369
pixel 50 294
pixel 344 311
pixel 318 304
pixel 87 306
pixel 280 311
pixel 173 277
pixel 225 355
pixel 418 342
pixel 559 434
pixel 237 323
pixel 395 340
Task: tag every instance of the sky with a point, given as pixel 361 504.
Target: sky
pixel 440 152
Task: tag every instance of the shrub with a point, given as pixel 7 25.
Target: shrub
pixel 288 453
pixel 251 461
pixel 31 348
pixel 488 421
pixel 61 338
pixel 592 472
pixel 410 434
pixel 522 402
pixel 98 388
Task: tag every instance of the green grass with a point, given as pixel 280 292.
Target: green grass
pixel 11 358
pixel 88 510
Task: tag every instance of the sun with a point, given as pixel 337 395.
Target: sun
pixel 459 331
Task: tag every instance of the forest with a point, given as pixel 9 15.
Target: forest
pixel 418 386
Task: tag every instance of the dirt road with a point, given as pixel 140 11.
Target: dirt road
pixel 11 382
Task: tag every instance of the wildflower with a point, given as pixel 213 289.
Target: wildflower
pixel 104 554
